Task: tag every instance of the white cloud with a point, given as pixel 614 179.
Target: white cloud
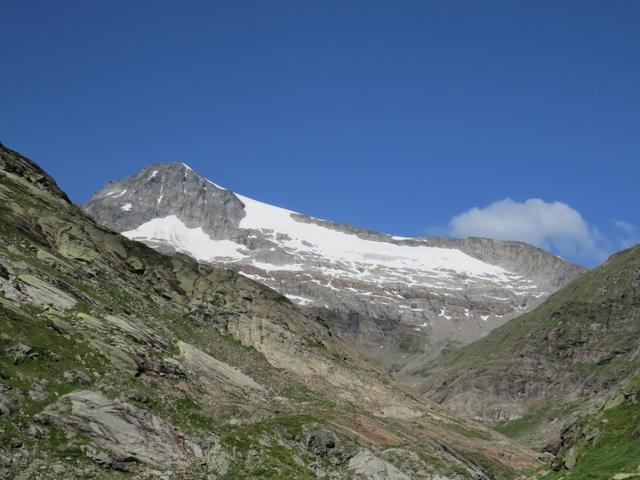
pixel 624 226
pixel 553 226
pixel 630 234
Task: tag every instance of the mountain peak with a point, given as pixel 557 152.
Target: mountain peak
pixel 397 300
pixel 180 166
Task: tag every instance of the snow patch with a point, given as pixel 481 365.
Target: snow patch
pixel 299 300
pixel 161 193
pixel 193 241
pixel 337 246
pixel 126 207
pixel 443 313
pixel 271 267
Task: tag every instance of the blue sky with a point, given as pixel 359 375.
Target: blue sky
pixel 519 119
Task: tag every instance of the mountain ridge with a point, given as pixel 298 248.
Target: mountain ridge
pixel 398 300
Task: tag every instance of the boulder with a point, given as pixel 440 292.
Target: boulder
pixel 19 352
pixel 77 376
pixel 8 406
pixel 321 442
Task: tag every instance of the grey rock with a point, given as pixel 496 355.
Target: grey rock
pixel 213 374
pixel 218 460
pixel 123 432
pixel 164 193
pixel 367 466
pixel 77 376
pixel 104 458
pixel 485 407
pixel 570 458
pixel 36 431
pixel 321 442
pixel 414 466
pixel 53 357
pixel 591 434
pixel 38 395
pixel 42 292
pixel 8 405
pixel 60 326
pixel 19 352
pixel 5 460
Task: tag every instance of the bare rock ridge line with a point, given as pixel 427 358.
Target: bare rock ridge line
pixel 400 301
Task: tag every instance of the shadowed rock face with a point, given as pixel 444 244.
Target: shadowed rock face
pixel 398 300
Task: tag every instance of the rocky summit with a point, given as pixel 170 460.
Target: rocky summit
pixel 400 301
pixel 119 362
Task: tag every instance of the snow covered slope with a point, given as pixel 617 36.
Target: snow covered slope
pixel 399 300
pixel 174 233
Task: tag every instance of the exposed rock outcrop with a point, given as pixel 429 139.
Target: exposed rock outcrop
pixel 366 466
pixel 123 431
pixel 7 405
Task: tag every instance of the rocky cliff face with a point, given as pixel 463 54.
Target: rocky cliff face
pixel 119 362
pixel 533 373
pixel 398 300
